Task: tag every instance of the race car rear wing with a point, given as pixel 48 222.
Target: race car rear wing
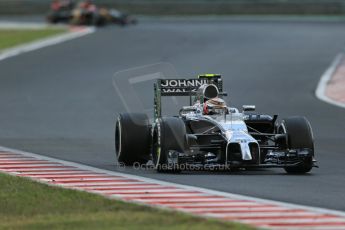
pixel 182 87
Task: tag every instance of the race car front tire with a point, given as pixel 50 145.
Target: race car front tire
pixel 299 136
pixel 132 138
pixel 169 135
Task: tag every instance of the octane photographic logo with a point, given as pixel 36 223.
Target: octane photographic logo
pixel 120 165
pixel 134 87
pixel 182 167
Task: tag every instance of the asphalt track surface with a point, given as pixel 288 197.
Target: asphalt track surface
pixel 60 101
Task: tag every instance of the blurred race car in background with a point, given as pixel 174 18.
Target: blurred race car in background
pixel 60 11
pixel 86 13
pixel 209 134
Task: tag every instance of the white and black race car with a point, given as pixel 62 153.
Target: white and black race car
pixel 209 134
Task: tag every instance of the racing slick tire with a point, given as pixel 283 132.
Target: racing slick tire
pixel 169 135
pixel 299 136
pixel 132 138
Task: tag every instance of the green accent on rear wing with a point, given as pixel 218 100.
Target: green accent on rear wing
pixel 210 75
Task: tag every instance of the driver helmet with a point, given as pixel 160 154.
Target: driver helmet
pixel 215 106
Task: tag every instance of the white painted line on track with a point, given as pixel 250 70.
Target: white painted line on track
pixel 190 199
pixel 168 195
pixel 23 25
pixel 64 172
pixel 35 45
pixel 309 228
pixel 213 203
pixel 82 184
pixel 47 165
pixel 122 187
pixel 326 77
pixel 133 191
pixel 44 170
pixel 293 220
pixel 77 180
pixel 196 201
pixel 220 209
pixel 258 214
pixel 141 191
pixel 64 175
pixel 24 162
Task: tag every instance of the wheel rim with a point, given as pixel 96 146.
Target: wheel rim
pixel 156 148
pixel 118 146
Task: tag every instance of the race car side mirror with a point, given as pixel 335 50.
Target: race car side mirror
pixel 248 108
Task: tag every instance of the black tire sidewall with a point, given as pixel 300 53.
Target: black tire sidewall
pixel 169 134
pixel 299 136
pixel 299 133
pixel 134 138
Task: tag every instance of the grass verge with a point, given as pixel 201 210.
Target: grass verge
pixel 13 37
pixel 25 204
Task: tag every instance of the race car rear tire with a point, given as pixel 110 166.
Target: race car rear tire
pixel 169 135
pixel 132 138
pixel 299 136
